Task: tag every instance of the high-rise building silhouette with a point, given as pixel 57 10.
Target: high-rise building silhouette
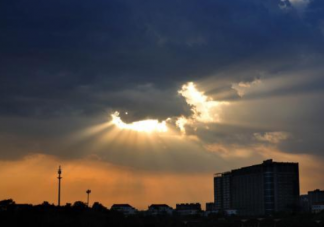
pixel 261 189
pixel 59 185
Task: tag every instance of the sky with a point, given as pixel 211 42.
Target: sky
pixel 143 101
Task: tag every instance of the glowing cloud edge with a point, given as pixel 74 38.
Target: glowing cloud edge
pixel 150 125
pixel 204 110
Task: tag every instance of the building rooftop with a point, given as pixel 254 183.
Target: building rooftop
pixel 120 205
pixel 156 206
pixel 268 161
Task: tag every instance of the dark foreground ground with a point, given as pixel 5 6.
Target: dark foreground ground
pixel 80 215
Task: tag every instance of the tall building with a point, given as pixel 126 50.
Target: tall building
pixel 218 191
pixel 222 190
pixel 261 189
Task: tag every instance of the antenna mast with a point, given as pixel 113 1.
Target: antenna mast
pixel 59 185
pixel 88 192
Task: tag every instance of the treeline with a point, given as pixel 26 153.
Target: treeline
pixel 80 215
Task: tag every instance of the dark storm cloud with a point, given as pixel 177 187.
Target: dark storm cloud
pixel 51 50
pixel 61 60
pixel 314 14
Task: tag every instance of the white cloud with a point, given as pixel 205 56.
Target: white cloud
pixel 272 137
pixel 242 87
pixel 204 108
pixel 300 5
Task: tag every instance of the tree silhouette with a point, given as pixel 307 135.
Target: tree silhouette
pixel 5 204
pixel 99 207
pixel 80 205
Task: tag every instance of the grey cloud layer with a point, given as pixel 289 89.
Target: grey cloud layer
pixel 79 59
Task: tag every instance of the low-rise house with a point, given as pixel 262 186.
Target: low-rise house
pixel 211 208
pixel 317 208
pixel 188 208
pixel 304 203
pixel 160 209
pixel 230 212
pixel 124 208
pixel 316 197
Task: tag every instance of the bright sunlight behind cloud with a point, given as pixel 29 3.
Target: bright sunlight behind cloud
pixel 204 110
pixel 140 126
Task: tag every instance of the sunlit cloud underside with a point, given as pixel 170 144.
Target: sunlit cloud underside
pixel 204 110
pixel 139 126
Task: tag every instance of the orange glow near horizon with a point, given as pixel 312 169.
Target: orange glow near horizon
pixel 34 180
